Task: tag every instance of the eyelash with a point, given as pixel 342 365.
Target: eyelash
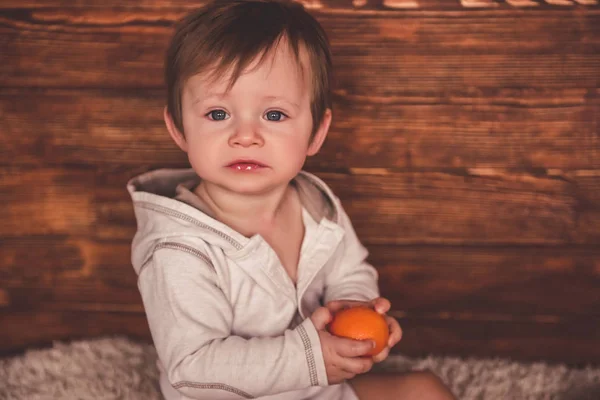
pixel 208 115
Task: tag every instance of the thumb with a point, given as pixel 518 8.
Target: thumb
pixel 381 305
pixel 320 318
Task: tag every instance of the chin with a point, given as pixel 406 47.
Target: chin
pixel 249 186
pixel 253 184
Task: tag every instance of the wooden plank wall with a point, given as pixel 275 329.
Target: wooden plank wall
pixel 465 147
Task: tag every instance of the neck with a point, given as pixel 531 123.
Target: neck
pixel 247 214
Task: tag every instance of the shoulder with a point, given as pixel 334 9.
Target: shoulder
pixel 179 254
pixel 195 248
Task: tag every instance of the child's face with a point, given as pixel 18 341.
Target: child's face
pixel 255 137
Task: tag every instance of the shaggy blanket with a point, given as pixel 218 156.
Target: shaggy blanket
pixel 117 368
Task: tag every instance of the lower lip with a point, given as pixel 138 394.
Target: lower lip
pixel 246 167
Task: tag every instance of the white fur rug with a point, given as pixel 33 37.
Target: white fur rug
pixel 117 368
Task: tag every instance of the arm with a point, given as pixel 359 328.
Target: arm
pixel 190 319
pixel 354 282
pixel 353 278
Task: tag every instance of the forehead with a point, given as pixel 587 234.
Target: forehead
pixel 280 70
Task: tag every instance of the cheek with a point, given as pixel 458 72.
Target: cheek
pixel 202 150
pixel 201 134
pixel 202 145
pixel 293 152
pixel 298 135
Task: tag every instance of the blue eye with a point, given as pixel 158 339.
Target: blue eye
pixel 275 116
pixel 217 115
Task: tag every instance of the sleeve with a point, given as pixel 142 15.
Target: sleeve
pixel 190 320
pixel 353 278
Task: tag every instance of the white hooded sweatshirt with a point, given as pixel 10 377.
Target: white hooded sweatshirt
pixel 226 319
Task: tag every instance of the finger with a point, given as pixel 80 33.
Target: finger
pixel 381 305
pixel 320 318
pixel 356 365
pixel 342 375
pixel 337 305
pixel 353 348
pixel 383 354
pixel 395 331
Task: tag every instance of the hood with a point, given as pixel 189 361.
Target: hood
pixel 161 216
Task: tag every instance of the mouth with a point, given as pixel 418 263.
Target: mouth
pixel 245 165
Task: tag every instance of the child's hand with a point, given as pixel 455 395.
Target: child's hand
pixel 381 305
pixel 343 357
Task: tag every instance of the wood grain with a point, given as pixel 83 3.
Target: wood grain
pixel 46 201
pixel 434 207
pixel 498 283
pixel 95 127
pixel 572 340
pixel 493 283
pixel 422 336
pixel 465 148
pixel 320 5
pixel 85 127
pixel 393 208
pixel 80 270
pixel 391 54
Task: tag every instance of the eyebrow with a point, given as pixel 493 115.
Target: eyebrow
pixel 222 95
pixel 219 95
pixel 281 98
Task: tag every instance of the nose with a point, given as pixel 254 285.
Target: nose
pixel 246 135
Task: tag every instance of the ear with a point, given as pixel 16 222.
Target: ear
pixel 177 136
pixel 320 134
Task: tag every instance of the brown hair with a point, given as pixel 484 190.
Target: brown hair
pixel 228 34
